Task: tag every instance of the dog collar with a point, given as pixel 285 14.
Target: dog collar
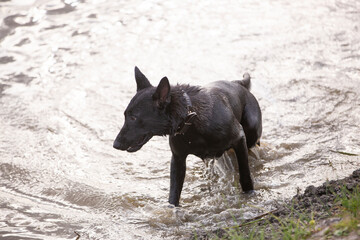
pixel 190 117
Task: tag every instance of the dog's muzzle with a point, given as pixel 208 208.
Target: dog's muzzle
pixel 133 146
pixel 117 145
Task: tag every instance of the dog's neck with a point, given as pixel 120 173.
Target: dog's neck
pixel 180 107
pixel 190 116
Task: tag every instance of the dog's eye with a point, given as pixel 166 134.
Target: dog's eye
pixel 133 118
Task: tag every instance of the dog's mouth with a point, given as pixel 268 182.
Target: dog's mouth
pixel 144 139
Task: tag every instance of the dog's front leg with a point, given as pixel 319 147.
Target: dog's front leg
pixel 241 151
pixel 177 175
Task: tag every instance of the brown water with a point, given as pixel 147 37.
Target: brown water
pixel 66 76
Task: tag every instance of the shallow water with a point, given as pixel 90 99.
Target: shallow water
pixel 66 76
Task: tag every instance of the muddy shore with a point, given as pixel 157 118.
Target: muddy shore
pixel 319 203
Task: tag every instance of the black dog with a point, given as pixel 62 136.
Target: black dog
pixel 203 121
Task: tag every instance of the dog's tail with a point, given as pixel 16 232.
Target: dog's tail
pixel 246 81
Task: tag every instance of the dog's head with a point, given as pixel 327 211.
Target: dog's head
pixel 145 116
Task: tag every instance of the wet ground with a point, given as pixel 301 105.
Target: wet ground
pixel 66 76
pixel 322 204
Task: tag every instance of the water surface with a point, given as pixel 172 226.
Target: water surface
pixel 66 76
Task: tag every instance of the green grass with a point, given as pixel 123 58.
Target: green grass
pixel 301 225
pixel 351 201
pixel 289 228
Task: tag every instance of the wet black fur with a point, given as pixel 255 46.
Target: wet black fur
pixel 228 116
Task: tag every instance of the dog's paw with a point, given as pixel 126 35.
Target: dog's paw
pixel 171 206
pixel 250 192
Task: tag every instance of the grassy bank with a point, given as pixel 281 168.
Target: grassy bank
pixel 331 211
pixel 343 220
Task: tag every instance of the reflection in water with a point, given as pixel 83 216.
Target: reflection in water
pixel 66 77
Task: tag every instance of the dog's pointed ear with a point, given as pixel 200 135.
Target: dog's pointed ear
pixel 162 93
pixel 141 81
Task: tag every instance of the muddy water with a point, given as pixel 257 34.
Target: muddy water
pixel 66 75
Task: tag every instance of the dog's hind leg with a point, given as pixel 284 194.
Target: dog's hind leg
pixel 177 175
pixel 251 122
pixel 241 151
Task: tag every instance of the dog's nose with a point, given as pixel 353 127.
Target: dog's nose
pixel 117 145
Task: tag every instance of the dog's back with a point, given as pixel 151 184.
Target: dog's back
pixel 244 106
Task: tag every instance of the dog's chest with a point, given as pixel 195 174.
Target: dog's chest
pixel 199 146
